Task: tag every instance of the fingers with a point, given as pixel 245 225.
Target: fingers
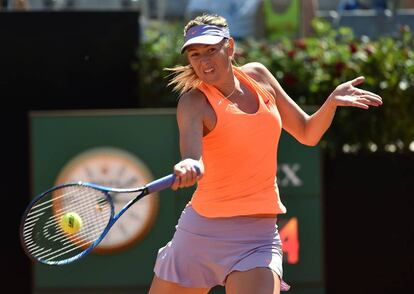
pixel 357 81
pixel 364 101
pixel 186 174
pixel 370 99
pixel 347 94
pixel 366 94
pixel 360 92
pixel 358 104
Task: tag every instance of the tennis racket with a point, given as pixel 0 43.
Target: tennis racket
pixel 42 235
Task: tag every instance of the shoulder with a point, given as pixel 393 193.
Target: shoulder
pixel 192 99
pixel 192 104
pixel 257 71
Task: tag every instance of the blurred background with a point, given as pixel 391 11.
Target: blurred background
pixel 79 75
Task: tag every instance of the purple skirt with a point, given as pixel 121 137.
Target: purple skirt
pixel 204 251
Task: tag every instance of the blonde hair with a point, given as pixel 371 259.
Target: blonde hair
pixel 184 77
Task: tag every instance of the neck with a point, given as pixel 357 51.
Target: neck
pixel 231 88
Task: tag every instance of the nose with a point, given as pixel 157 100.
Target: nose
pixel 205 59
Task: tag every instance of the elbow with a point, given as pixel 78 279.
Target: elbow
pixel 307 137
pixel 312 142
pixel 311 138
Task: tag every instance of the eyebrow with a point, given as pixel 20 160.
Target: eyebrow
pixel 203 45
pixel 219 44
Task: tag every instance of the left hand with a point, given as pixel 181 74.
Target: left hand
pixel 347 94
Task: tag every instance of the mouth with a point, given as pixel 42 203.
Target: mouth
pixel 209 70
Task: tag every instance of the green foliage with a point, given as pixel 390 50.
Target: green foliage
pixel 309 70
pixel 159 49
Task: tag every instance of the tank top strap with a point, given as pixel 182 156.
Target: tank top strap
pixel 263 93
pixel 217 101
pixel 213 95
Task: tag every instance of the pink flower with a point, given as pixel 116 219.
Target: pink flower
pixel 300 43
pixel 353 48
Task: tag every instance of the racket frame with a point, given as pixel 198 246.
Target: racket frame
pixel 152 187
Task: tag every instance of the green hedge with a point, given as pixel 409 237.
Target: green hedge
pixel 309 69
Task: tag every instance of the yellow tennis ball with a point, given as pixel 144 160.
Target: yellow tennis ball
pixel 71 222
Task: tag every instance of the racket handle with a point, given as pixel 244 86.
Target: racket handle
pixel 161 184
pixel 165 182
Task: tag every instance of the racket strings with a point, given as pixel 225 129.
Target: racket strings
pixel 36 210
pixel 75 241
pixel 83 238
pixel 88 233
pixel 42 232
pixel 82 210
pixel 92 221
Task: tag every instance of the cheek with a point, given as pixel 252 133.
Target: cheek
pixel 196 68
pixel 225 62
pixel 192 64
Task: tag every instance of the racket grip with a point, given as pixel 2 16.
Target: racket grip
pixel 165 182
pixel 161 184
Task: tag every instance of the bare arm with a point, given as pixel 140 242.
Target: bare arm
pixel 309 129
pixel 190 112
pixel 346 94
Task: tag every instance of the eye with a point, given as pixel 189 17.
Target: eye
pixel 212 50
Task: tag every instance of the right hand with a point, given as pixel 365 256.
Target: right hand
pixel 186 173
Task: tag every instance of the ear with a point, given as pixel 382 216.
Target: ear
pixel 231 48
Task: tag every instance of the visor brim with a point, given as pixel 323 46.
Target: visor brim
pixel 202 40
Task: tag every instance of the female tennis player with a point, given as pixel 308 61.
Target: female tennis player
pixel 230 119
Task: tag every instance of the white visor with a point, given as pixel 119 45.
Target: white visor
pixel 205 34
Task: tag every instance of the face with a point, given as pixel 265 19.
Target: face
pixel 211 63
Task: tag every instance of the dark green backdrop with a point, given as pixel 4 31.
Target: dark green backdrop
pixel 152 136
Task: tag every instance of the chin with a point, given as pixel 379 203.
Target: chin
pixel 209 79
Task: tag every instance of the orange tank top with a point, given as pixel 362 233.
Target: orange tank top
pixel 240 157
